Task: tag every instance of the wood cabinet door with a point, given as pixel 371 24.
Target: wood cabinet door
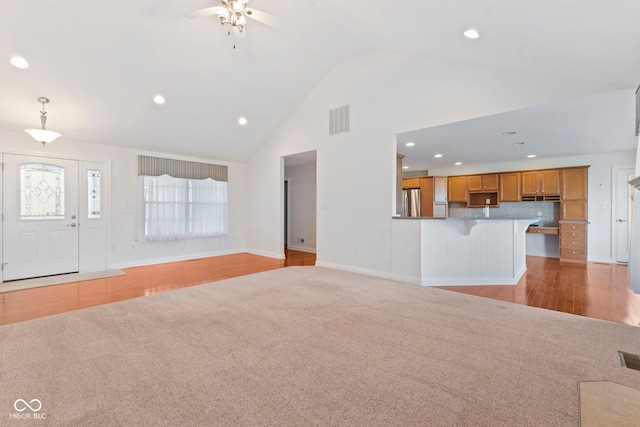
pixel 550 182
pixel 474 183
pixel 510 187
pixel 411 183
pixel 574 183
pixel 426 194
pixel 490 182
pixel 574 210
pixel 457 189
pixel 530 183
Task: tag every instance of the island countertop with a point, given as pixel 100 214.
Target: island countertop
pixel 471 218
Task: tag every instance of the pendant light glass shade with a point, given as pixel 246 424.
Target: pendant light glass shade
pixel 43 135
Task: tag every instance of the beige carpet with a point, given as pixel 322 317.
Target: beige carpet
pixel 39 282
pixel 308 346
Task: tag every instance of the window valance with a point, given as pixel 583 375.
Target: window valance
pixel 156 166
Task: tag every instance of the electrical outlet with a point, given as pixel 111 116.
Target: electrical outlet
pixel 301 240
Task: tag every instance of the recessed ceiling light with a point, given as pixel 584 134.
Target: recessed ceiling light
pixel 509 133
pixel 471 34
pixel 159 99
pixel 405 167
pixel 19 62
pixel 518 143
pixel 457 163
pixel 410 144
pixel 531 156
pixel 242 121
pixel 437 156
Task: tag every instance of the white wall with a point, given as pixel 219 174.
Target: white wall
pixel 125 250
pixel 601 192
pixel 302 206
pixel 387 93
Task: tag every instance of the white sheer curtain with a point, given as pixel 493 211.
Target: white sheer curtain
pixel 178 208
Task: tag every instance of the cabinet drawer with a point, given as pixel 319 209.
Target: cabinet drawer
pixel 574 227
pixel 542 230
pixel 572 242
pixel 573 233
pixel 573 252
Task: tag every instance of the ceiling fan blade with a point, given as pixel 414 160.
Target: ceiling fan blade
pixel 264 18
pixel 208 11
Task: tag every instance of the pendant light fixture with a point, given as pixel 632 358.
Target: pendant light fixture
pixel 43 135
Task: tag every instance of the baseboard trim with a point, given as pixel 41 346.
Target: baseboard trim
pixel 365 271
pixel 302 249
pixel 143 262
pixel 265 253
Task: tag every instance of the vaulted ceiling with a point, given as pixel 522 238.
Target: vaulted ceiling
pixel 101 63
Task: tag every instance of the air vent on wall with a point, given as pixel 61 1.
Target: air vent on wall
pixel 339 120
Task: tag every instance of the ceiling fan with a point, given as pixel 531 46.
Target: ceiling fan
pixel 235 13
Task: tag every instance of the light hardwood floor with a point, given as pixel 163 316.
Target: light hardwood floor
pixel 595 290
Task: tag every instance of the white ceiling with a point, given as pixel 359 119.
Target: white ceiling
pixel 590 125
pixel 101 63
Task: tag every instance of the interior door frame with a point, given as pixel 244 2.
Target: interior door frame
pixel 614 207
pixel 82 198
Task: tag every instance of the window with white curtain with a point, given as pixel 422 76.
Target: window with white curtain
pixel 182 208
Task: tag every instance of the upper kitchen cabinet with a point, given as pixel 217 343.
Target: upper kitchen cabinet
pixel 457 189
pixel 487 182
pixel 541 183
pixel 411 183
pixel 574 183
pixel 510 187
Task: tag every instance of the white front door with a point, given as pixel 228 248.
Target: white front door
pixel 624 206
pixel 40 207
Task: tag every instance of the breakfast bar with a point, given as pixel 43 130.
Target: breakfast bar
pixel 460 251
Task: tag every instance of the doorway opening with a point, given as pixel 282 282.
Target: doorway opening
pixel 299 208
pixel 622 214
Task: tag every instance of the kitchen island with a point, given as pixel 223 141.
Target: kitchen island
pixel 460 251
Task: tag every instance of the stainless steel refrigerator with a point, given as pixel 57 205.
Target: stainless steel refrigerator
pixel 411 202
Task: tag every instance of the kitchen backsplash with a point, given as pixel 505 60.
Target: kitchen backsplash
pixel 548 211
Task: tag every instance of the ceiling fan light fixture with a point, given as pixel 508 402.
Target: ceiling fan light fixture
pixel 241 23
pixel 238 9
pixel 43 135
pixel 223 16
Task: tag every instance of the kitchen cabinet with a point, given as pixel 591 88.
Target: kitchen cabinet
pixel 488 182
pixel 574 183
pixel 541 183
pixel 573 242
pixel 457 189
pixel 510 187
pixel 426 192
pixel 411 183
pixel 574 210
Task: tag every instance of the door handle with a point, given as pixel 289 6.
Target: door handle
pixel 73 224
pixel 622 220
